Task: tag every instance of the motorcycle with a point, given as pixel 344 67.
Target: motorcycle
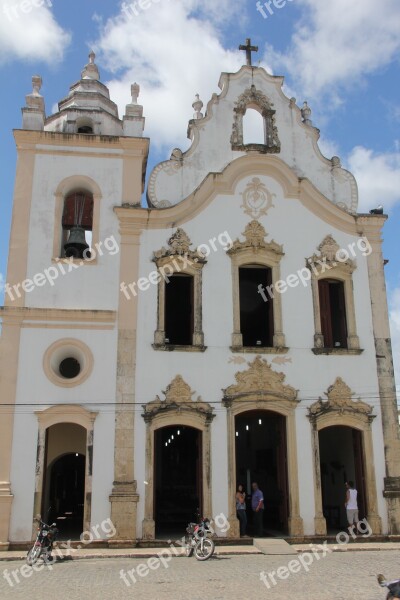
pixel 197 540
pixel 43 545
pixel 393 587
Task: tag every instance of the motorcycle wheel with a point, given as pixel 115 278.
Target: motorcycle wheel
pixel 204 549
pixel 188 547
pixel 33 555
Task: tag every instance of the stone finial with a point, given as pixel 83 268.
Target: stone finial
pixel 91 71
pixel 336 163
pixel 135 91
pixel 36 85
pixel 33 114
pixel 306 113
pixel 197 105
pixel 133 118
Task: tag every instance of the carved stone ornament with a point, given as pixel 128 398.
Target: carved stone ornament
pixel 253 96
pixel 259 382
pixel 332 255
pixel 339 401
pixel 257 200
pixel 255 238
pixel 179 246
pixel 178 397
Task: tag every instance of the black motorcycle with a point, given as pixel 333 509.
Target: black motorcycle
pixel 393 587
pixel 43 545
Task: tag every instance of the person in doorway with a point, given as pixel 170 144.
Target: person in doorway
pixel 241 509
pixel 257 505
pixel 351 505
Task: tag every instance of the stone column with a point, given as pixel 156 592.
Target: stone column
pixel 39 475
pixel 319 519
pixel 234 529
pixel 295 522
pixel 373 518
pixel 10 343
pixel 371 228
pixel 124 497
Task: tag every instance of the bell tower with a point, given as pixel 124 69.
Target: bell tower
pixel 68 254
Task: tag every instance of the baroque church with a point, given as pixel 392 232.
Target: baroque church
pixel 233 330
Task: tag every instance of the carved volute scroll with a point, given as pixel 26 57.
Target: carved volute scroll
pixel 178 397
pixel 259 382
pixel 340 401
pixel 255 235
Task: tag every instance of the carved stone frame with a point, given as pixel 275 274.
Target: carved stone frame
pixel 253 98
pixel 255 250
pixel 326 266
pixel 178 408
pixel 261 388
pixel 341 409
pixel 62 414
pixel 178 258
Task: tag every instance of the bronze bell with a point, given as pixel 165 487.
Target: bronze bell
pixel 76 245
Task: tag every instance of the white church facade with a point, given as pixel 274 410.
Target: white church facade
pixel 234 330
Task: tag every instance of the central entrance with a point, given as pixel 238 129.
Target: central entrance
pixel 261 457
pixel 178 478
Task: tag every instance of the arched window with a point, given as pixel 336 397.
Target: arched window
pixel 84 125
pixel 253 127
pixel 77 225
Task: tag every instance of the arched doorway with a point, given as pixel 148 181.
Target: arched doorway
pixel 177 477
pixel 261 456
pixel 64 478
pixel 341 459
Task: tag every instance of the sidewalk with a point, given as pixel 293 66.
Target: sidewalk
pixel 97 553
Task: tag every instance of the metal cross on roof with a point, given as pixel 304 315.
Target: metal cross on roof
pixel 248 49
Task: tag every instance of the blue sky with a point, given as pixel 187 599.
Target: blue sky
pixel 342 57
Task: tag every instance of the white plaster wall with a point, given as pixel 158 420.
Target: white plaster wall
pixel 300 232
pixel 92 286
pixel 97 393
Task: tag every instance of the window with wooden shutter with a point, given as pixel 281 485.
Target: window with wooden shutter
pixel 333 313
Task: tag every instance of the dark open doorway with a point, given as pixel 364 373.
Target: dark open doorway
pixel 178 478
pixel 261 456
pixel 66 494
pixel 256 315
pixel 341 456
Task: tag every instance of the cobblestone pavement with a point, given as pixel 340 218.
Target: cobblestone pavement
pixel 339 576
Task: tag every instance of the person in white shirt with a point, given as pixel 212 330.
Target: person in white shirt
pixel 351 504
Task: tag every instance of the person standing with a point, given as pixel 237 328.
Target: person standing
pixel 241 509
pixel 257 505
pixel 351 504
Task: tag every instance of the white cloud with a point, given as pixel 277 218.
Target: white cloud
pixel 171 58
pixel 2 282
pixel 31 35
pixel 378 177
pixel 394 316
pixel 336 43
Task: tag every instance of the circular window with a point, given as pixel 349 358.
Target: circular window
pixel 68 362
pixel 69 368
